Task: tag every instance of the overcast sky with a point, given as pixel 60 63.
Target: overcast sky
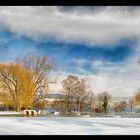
pixel 100 44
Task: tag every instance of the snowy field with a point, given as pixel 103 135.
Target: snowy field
pixel 8 112
pixel 68 126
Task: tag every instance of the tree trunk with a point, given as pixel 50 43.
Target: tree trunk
pixel 81 107
pixel 90 106
pixel 17 108
pixel 105 109
pixel 68 106
pixel 131 109
pixel 78 106
pixel 61 106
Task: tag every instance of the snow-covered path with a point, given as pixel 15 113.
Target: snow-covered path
pixel 68 126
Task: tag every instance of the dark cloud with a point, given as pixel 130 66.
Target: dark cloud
pixel 97 9
pixel 80 9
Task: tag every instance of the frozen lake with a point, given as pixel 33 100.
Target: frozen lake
pixel 68 126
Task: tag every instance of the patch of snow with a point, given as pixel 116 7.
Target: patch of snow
pixel 56 113
pixel 68 126
pixel 117 116
pixel 9 112
pixel 85 116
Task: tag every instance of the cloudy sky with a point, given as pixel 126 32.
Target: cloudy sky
pixel 100 44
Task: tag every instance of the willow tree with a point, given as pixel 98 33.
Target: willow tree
pixel 23 82
pixel 40 66
pixel 28 94
pixel 13 78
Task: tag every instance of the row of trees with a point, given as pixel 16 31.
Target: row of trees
pixel 77 96
pixel 24 84
pixel 121 106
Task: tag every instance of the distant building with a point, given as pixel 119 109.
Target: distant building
pixel 55 90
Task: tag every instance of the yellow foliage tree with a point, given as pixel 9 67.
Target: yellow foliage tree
pixel 17 84
pixel 137 99
pixel 23 82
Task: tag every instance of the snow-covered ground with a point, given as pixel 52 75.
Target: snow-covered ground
pixel 68 126
pixel 9 112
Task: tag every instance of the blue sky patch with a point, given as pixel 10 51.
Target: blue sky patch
pixel 18 46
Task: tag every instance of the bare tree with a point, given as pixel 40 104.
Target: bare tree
pixel 76 92
pixel 68 85
pixel 123 105
pixel 131 103
pixel 91 100
pixel 117 107
pixel 59 104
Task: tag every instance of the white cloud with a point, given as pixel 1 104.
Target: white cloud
pixel 122 79
pixel 118 79
pixel 105 26
pixel 116 86
pixel 108 25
